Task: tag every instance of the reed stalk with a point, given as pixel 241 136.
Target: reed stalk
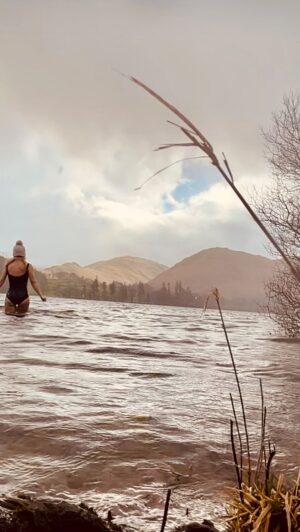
pixel 166 509
pixel 238 474
pixel 239 435
pixel 217 298
pixel 262 452
pixel 198 140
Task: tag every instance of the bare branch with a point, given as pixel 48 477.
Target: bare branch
pixel 177 125
pixel 175 145
pixel 199 140
pixel 173 109
pixel 166 168
pixel 228 167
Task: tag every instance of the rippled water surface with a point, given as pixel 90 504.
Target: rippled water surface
pixel 112 403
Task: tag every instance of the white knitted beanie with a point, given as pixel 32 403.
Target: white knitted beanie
pixel 19 250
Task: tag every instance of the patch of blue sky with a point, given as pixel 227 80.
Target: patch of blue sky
pixel 169 205
pixel 197 177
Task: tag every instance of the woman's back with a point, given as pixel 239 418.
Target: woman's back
pixel 17 267
pixel 17 270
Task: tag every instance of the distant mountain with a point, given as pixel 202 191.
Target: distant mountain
pixel 123 269
pixel 239 276
pixel 68 268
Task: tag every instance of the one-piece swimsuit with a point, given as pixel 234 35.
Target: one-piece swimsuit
pixel 17 292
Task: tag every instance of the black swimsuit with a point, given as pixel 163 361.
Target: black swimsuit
pixel 17 292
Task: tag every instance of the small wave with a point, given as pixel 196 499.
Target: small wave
pixel 64 365
pixel 70 313
pixel 59 390
pixel 151 375
pixel 195 329
pixel 129 352
pixel 80 342
pixel 41 338
pixel 285 340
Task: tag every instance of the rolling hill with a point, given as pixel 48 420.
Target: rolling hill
pixel 70 268
pixel 239 276
pixel 121 269
pixel 128 269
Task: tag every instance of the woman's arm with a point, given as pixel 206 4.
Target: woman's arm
pixel 3 275
pixel 34 283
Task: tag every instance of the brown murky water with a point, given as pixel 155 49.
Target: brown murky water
pixel 113 403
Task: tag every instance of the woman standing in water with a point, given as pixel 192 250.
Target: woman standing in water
pixel 18 272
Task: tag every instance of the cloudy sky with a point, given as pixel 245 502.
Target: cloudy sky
pixel 76 137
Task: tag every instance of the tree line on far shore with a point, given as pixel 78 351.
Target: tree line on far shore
pixel 72 286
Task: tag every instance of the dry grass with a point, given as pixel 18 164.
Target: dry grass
pixel 276 509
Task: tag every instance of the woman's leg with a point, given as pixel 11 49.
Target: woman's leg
pixel 22 308
pixel 9 307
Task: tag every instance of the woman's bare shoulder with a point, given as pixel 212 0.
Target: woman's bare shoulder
pixel 9 261
pixel 30 270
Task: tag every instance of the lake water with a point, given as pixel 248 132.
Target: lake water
pixel 113 403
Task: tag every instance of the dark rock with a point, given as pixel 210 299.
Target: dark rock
pixel 26 514
pixel 205 526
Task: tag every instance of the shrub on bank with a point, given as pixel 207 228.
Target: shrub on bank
pixel 271 507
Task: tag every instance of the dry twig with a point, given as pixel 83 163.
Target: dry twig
pixel 198 140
